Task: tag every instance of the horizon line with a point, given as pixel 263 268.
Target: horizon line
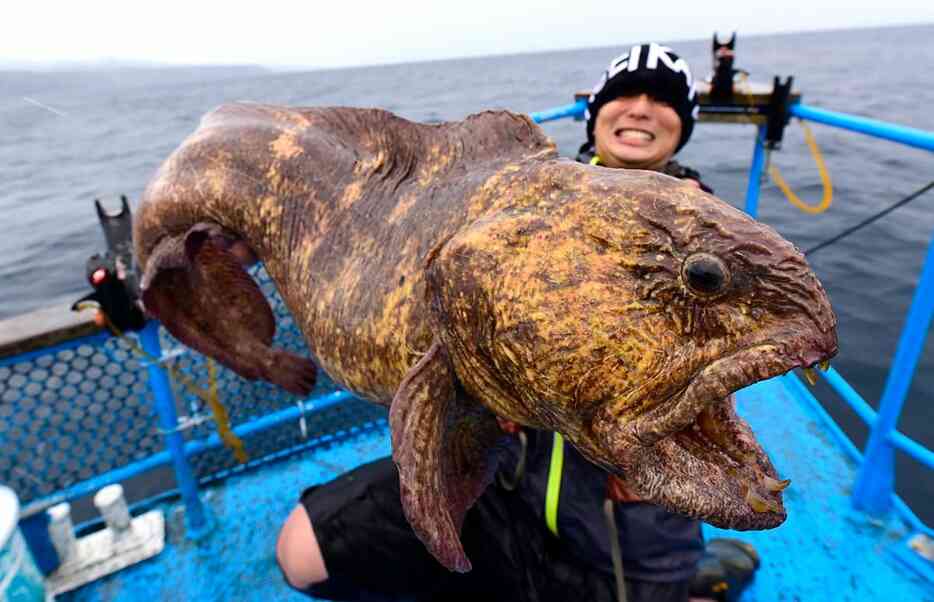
pixel 62 65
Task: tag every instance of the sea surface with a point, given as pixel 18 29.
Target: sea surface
pixel 67 138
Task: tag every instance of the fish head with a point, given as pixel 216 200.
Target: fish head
pixel 624 313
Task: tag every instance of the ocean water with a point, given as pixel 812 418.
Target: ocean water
pixel 67 138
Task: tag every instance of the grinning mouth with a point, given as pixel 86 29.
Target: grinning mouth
pixel 695 456
pixel 634 134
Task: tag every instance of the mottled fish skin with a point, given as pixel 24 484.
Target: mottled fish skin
pixel 342 206
pixel 461 270
pixel 577 317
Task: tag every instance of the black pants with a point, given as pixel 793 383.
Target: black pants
pixel 372 554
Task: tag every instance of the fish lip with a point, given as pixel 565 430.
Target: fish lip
pixel 704 478
pixel 725 376
pixel 712 488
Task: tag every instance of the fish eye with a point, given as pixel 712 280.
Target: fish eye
pixel 705 274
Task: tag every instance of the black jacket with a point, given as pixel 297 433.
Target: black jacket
pixel 656 544
pixel 672 168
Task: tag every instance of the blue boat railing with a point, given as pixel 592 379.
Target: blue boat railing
pixel 57 373
pixel 574 110
pixel 874 490
pixel 84 417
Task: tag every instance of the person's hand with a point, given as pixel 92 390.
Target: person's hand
pixel 617 490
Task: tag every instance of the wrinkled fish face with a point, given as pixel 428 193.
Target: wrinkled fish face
pixel 625 321
pixel 738 304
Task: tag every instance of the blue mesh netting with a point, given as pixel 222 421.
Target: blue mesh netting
pixel 84 408
pixel 73 412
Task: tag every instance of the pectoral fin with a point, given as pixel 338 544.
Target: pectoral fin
pixel 444 446
pixel 202 294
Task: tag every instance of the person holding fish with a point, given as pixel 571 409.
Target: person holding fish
pixel 539 531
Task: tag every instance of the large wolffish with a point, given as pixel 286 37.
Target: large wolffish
pixel 462 271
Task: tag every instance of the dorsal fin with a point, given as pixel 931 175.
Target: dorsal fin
pixel 389 143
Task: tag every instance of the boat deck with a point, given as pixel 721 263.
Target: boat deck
pixel 822 552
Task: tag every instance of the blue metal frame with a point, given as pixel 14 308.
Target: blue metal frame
pixel 870 127
pixel 755 173
pixel 575 111
pixel 876 479
pixel 794 383
pixel 875 483
pixel 214 442
pixel 868 415
pixel 197 520
pixel 192 448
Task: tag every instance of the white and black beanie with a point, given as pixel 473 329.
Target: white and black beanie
pixel 654 70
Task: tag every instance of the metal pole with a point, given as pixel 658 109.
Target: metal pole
pixel 755 173
pixel 876 479
pixel 870 127
pixel 192 448
pixel 196 518
pixel 575 110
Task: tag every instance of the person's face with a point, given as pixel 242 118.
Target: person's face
pixel 636 132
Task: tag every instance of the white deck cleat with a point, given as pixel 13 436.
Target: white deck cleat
pixel 107 551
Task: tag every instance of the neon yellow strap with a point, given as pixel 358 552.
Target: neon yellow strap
pixel 596 161
pixel 554 484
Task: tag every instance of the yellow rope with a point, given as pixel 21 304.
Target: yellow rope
pixel 221 418
pixel 815 152
pixel 744 90
pixel 824 176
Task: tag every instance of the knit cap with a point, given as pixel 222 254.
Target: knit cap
pixel 654 70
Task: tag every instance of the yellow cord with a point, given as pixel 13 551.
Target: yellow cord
pixel 221 419
pixel 818 159
pixel 824 176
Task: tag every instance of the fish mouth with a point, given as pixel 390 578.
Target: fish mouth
pixel 695 456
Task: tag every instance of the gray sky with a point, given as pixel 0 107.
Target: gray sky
pixel 358 32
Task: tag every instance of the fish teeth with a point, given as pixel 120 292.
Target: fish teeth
pixel 756 502
pixel 824 366
pixel 708 426
pixel 774 485
pixel 759 503
pixel 810 376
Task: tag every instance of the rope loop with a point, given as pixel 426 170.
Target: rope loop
pixel 821 169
